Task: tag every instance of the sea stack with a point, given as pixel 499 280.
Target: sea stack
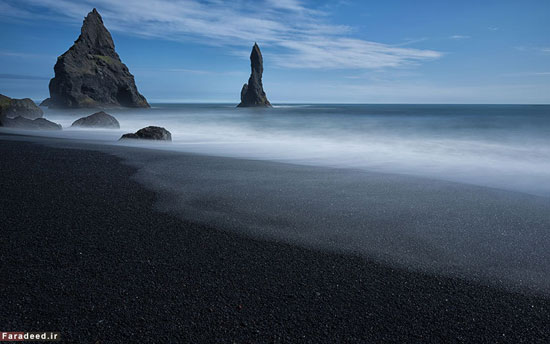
pixel 90 74
pixel 252 94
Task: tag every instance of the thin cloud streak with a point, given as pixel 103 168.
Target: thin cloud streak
pixel 459 37
pixel 17 54
pixel 23 77
pixel 527 74
pixel 540 50
pixel 292 35
pixel 352 53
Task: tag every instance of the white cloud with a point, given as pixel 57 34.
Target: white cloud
pixel 290 5
pixel 293 35
pixel 459 37
pixel 320 52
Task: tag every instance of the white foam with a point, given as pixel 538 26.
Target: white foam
pixel 491 152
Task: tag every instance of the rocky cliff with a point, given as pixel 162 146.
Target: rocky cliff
pixel 91 74
pixel 252 94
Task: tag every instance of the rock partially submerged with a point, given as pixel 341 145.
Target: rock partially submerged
pixel 10 107
pixel 32 124
pixel 90 74
pixel 149 133
pixel 252 94
pixel 97 120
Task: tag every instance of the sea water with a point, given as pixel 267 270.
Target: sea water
pixel 501 146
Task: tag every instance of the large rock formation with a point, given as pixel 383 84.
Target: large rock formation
pixel 97 120
pixel 253 93
pixel 32 124
pixel 10 107
pixel 149 133
pixel 90 73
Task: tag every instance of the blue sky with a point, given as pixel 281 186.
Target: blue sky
pixel 314 51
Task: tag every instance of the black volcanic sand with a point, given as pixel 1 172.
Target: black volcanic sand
pixel 83 252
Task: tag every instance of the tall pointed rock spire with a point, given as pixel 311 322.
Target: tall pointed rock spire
pixel 252 94
pixel 91 74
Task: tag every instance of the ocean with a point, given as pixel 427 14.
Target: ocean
pixel 501 146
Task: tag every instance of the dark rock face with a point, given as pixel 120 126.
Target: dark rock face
pixel 91 74
pixel 149 133
pixel 252 94
pixel 10 107
pixel 97 120
pixel 34 124
pixel 46 102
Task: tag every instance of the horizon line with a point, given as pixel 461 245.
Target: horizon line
pixel 324 103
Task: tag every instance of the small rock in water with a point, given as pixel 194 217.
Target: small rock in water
pixel 149 133
pixel 97 120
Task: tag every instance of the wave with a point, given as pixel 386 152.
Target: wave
pixel 499 146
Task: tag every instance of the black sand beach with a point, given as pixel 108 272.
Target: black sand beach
pixel 84 252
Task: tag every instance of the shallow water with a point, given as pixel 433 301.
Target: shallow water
pixel 502 146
